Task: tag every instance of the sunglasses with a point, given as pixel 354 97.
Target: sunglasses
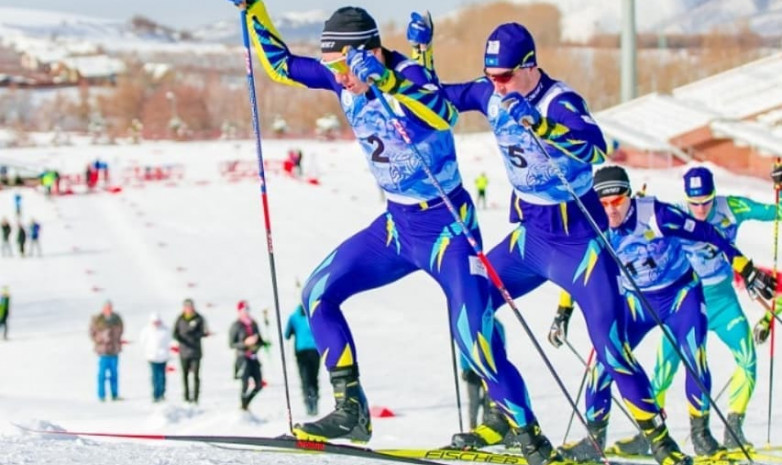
pixel 700 203
pixel 337 66
pixel 613 202
pixel 502 78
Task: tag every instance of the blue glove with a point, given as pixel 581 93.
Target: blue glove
pixel 521 110
pixel 420 29
pixel 366 66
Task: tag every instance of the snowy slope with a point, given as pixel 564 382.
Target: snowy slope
pixel 148 248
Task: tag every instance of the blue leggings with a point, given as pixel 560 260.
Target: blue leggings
pixel 680 307
pixel 526 259
pixel 405 239
pixel 728 322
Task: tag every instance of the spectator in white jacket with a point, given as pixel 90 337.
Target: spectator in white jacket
pixel 156 343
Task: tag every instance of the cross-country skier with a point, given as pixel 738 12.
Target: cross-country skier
pixel 648 238
pixel 416 232
pixel 554 240
pixel 726 318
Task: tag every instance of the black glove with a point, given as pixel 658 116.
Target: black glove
pixel 758 282
pixel 558 332
pixel 762 329
pixel 776 174
pixel 238 3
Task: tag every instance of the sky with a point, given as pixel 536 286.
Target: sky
pixel 183 14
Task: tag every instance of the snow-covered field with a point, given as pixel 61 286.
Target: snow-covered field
pixel 148 248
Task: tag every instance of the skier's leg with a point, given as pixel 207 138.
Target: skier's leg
pixel 727 320
pixel 371 258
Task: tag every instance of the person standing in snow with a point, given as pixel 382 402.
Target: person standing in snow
pixel 5 310
pixel 155 341
pixel 106 333
pixel 245 337
pixel 189 329
pixel 6 229
pixel 21 238
pixel 307 357
pixel 35 234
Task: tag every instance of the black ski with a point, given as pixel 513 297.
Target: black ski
pixel 281 442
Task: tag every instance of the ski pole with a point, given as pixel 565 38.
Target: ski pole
pixel 490 270
pixel 777 163
pixel 641 297
pixel 580 388
pixel 264 201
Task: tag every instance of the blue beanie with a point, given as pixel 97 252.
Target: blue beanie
pixel 508 46
pixel 699 182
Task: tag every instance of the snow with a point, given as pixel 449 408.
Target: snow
pixel 148 248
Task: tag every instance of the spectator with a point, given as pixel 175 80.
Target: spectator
pixel 6 228
pixel 481 182
pixel 21 238
pixel 245 337
pixel 18 204
pixel 5 310
pixel 307 357
pixel 35 234
pixel 189 329
pixel 155 341
pixel 106 332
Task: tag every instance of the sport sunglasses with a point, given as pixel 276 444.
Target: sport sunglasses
pixel 613 202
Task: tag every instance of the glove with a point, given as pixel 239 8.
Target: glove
pixel 558 332
pixel 369 69
pixel 521 110
pixel 757 282
pixel 762 329
pixel 776 170
pixel 420 29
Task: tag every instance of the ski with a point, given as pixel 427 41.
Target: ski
pixel 282 442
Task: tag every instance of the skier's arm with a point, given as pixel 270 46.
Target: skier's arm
pixel 569 128
pixel 279 63
pixel 234 341
pixel 415 88
pixel 744 208
pixel 289 329
pixel 672 221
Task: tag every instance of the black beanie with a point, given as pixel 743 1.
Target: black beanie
pixel 349 26
pixel 612 180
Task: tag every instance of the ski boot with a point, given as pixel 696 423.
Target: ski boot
pixel 350 418
pixel 664 448
pixel 636 445
pixel 584 450
pixel 736 423
pixel 702 440
pixel 535 447
pixel 492 431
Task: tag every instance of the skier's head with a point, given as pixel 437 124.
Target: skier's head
pixel 700 191
pixel 349 26
pixel 108 308
pixel 613 187
pixel 510 60
pixel 154 319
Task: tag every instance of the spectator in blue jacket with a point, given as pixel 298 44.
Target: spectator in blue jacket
pixel 307 357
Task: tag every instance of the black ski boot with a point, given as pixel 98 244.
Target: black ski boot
pixel 535 447
pixel 584 450
pixel 350 418
pixel 636 445
pixel 702 440
pixel 492 431
pixel 664 448
pixel 736 423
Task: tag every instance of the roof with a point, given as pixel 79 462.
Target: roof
pixel 649 122
pixel 759 136
pixel 95 65
pixel 739 92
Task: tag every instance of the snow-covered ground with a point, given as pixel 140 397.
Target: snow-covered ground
pixel 148 248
